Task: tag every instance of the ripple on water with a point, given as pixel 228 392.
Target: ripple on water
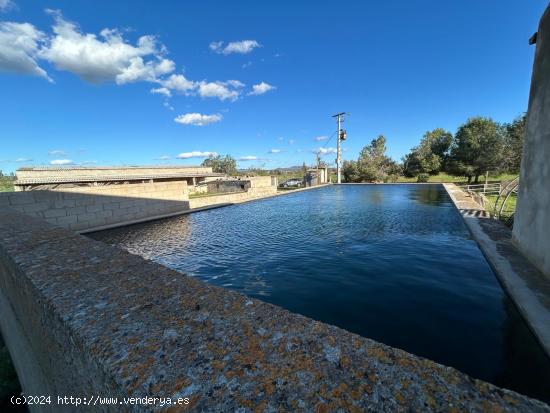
pixel 391 262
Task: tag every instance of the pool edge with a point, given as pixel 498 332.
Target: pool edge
pixel 524 283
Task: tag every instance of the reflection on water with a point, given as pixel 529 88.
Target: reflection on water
pixel 390 262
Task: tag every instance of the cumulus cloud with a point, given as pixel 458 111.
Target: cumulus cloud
pixel 239 47
pixel 196 154
pixel 162 91
pixel 179 84
pixel 291 141
pixel 324 151
pixel 275 151
pixel 61 162
pixel 107 57
pixel 222 90
pixel 198 119
pixel 320 138
pixel 249 158
pixel 20 45
pixel 261 88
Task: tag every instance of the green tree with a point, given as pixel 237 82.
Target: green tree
pixel 513 144
pixel 430 156
pixel 221 164
pixel 350 172
pixel 373 164
pixel 477 148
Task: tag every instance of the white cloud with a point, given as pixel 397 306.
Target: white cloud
pixel 249 158
pixel 261 88
pixel 162 91
pixel 320 138
pixel 19 48
pixel 61 162
pixel 198 119
pixel 291 141
pixel 229 89
pixel 216 46
pixel 23 160
pixel 164 158
pixel 196 154
pixel 57 152
pixel 240 47
pixel 107 57
pixel 6 5
pixel 324 151
pixel 247 64
pixel 275 151
pixel 221 90
pixel 179 84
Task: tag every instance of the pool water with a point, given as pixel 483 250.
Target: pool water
pixel 394 263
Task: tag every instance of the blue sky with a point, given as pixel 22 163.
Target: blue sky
pixel 88 82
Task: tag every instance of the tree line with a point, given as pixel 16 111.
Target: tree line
pixel 479 145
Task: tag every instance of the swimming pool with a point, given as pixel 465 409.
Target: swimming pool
pixel 394 263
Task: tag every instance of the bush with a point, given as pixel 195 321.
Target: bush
pixel 423 178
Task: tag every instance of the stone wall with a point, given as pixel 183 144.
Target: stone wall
pixel 93 207
pixel 88 320
pixel 532 218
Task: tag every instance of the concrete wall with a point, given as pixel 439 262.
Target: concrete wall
pixel 87 320
pixel 258 187
pixel 224 186
pixel 532 218
pixel 86 208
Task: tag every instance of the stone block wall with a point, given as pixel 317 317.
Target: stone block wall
pixel 93 207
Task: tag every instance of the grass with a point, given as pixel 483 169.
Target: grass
pixel 6 184
pixel 460 179
pixel 206 194
pixel 509 207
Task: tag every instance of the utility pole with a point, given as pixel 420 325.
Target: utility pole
pixel 341 136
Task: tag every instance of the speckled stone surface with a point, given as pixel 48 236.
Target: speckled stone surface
pixel 125 326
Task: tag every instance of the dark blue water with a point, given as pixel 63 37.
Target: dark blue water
pixel 394 263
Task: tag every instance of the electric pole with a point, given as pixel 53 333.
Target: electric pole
pixel 341 136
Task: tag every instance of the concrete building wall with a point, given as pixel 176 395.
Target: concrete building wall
pixel 532 219
pixel 86 208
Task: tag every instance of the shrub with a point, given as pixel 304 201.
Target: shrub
pixel 423 178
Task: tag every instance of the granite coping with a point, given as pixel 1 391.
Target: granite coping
pixel 156 332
